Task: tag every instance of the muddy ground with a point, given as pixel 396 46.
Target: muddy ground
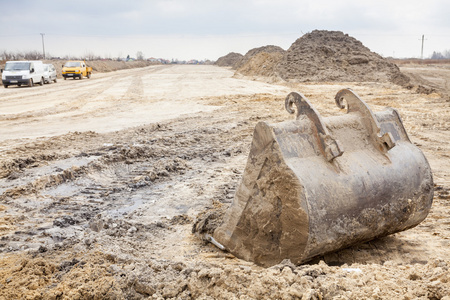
pixel 101 181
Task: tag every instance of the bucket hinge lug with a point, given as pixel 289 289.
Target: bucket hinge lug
pixel 331 148
pixel 383 140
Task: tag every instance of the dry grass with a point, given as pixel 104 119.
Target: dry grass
pixel 418 61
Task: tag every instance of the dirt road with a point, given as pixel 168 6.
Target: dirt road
pixel 113 101
pixel 101 181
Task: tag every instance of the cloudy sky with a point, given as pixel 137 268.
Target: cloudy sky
pixel 208 29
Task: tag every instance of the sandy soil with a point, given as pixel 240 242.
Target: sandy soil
pixel 101 180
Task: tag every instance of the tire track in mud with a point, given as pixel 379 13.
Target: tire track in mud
pixel 135 91
pixel 117 178
pixel 126 91
pixel 121 100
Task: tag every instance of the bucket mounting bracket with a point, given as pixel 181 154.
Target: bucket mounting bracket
pixel 329 146
pixel 355 104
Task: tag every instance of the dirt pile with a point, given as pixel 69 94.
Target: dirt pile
pixel 229 60
pixel 262 64
pixel 334 56
pixel 255 51
pixel 321 56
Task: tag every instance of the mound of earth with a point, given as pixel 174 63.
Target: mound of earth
pixel 262 64
pixel 255 51
pixel 334 56
pixel 229 60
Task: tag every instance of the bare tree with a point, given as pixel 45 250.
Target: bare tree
pixel 89 55
pixel 447 53
pixel 33 55
pixel 139 55
pixel 5 55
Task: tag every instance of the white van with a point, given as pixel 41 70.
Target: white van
pixel 49 73
pixel 23 72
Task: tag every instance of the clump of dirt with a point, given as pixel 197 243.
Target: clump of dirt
pixel 45 278
pixel 229 60
pixel 425 90
pixel 208 220
pixel 334 56
pixel 255 51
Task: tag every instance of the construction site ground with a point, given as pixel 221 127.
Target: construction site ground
pixel 101 180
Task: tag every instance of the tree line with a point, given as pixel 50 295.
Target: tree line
pixel 37 55
pixel 441 55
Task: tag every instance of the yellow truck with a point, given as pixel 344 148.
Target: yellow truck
pixel 76 69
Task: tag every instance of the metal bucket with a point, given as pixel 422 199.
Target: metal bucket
pixel 314 185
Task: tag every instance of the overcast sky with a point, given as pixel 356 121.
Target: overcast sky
pixel 208 29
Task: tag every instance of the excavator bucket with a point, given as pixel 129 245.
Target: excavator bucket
pixel 314 185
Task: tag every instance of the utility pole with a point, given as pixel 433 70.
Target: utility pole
pixel 421 52
pixel 43 48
